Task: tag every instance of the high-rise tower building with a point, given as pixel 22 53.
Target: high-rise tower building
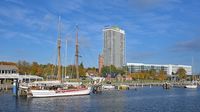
pixel 114 46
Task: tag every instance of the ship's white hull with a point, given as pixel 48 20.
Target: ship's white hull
pixel 56 93
pixel 191 86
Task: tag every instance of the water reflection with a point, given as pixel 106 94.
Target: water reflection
pixel 60 104
pixel 142 100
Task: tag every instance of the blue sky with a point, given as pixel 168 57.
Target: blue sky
pixel 157 31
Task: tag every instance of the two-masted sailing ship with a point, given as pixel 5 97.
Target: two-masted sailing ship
pixel 58 87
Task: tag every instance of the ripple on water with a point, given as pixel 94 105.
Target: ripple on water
pixel 143 100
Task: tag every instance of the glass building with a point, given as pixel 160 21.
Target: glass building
pixel 169 69
pixel 114 46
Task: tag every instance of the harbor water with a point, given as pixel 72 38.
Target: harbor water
pixel 154 99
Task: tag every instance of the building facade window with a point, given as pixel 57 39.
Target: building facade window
pixel 169 69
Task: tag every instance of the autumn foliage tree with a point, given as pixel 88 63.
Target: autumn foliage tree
pixel 34 68
pixel 46 70
pixel 181 72
pixel 24 67
pixel 150 74
pixel 162 75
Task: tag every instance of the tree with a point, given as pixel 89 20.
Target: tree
pixel 112 70
pixel 152 73
pixel 34 68
pixel 137 75
pixel 181 72
pixel 162 75
pixel 82 70
pixel 105 71
pixel 23 67
pixel 81 65
pixel 146 75
pixel 71 71
pixel 47 69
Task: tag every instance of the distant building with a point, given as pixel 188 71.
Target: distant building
pixel 169 69
pixel 114 46
pixel 100 63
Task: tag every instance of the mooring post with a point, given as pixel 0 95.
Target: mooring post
pixel 15 87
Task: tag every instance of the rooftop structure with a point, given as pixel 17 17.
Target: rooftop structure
pixel 114 28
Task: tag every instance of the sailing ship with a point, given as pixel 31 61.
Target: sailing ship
pixel 59 88
pixel 56 88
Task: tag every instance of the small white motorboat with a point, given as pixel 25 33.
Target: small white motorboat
pixel 191 86
pixel 108 87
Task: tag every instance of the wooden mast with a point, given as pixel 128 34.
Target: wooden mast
pixel 59 46
pixel 76 54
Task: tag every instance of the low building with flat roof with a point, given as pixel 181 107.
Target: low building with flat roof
pixel 10 72
pixel 170 69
